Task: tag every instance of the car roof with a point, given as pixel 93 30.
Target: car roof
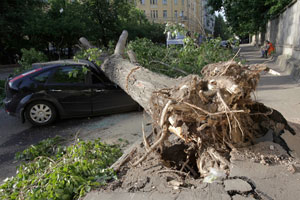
pixel 67 62
pixel 61 62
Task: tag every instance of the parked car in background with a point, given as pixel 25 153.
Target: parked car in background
pixel 176 40
pixel 63 89
pixel 225 44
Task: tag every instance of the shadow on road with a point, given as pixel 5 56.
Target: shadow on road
pixel 18 141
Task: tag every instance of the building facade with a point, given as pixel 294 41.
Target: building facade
pixel 192 13
pixel 208 18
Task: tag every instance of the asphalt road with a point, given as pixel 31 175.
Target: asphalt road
pixel 16 136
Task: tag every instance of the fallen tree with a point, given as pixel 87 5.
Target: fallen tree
pixel 209 115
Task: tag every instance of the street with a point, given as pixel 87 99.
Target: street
pixel 15 136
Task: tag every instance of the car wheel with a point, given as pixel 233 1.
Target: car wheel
pixel 40 113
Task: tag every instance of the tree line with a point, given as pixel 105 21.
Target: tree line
pixel 248 16
pixel 54 26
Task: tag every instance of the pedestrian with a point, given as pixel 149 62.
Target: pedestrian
pixel 267 49
pixel 271 48
pixel 264 50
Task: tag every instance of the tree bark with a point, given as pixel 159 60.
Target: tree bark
pixel 138 82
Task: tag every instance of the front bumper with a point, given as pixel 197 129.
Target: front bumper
pixel 7 107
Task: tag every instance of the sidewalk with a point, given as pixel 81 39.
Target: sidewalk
pixel 248 180
pixel 279 92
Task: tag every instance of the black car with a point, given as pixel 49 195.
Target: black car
pixel 64 89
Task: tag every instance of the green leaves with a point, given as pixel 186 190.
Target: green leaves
pixel 92 54
pixel 175 28
pixel 171 61
pixel 248 16
pixel 61 173
pixel 222 29
pixel 54 26
pixel 46 147
pixel 28 57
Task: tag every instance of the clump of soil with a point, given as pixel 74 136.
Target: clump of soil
pixel 156 173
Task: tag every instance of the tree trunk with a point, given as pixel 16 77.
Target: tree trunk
pixel 137 81
pixel 211 115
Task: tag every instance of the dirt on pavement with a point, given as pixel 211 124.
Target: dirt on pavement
pixel 155 176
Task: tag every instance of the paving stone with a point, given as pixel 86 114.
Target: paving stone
pixel 240 197
pixel 237 185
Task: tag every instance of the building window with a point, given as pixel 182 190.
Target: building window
pixel 165 2
pixel 175 2
pixel 182 2
pixel 154 13
pixel 165 15
pixel 142 2
pixel 153 2
pixel 175 14
pixel 181 13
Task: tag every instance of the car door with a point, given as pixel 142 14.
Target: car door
pixel 108 97
pixel 69 87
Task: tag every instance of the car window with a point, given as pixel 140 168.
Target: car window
pixel 95 79
pixel 42 77
pixel 68 74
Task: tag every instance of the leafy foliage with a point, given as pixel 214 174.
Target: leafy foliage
pixel 13 15
pixel 276 6
pixel 174 29
pixel 38 23
pixel 68 174
pixel 248 16
pixel 222 29
pixel 28 57
pixel 46 147
pixel 90 54
pixel 172 61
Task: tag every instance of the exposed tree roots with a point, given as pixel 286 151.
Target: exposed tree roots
pixel 211 116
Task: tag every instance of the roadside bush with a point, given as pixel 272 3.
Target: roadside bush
pixel 69 173
pixel 176 60
pixel 28 57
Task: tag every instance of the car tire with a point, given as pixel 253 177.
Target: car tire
pixel 40 113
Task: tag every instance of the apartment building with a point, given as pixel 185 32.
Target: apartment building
pixel 208 19
pixel 191 13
